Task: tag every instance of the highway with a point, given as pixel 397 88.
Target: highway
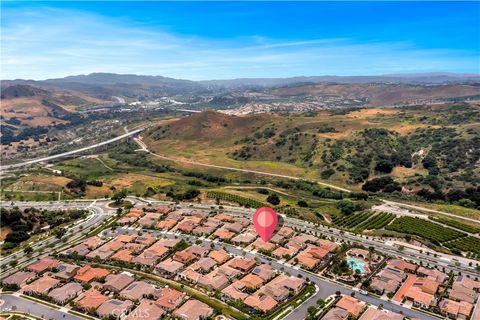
pixel 68 153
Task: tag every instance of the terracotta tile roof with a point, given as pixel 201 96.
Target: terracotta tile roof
pixel 432 274
pixel 286 232
pixel 224 234
pixel 197 250
pixel 184 257
pixel 88 273
pixel 166 224
pixel 117 282
pixel 124 255
pixel 93 242
pixel 291 283
pixel 42 285
pixel 215 281
pixel 242 264
pixel 264 271
pixel 146 310
pixel 327 245
pixel 220 256
pixel 261 302
pixel 168 243
pixel 336 314
pixel 169 299
pixel 455 308
pixel 43 265
pixel 234 291
pixel 307 260
pixel 146 239
pixel 114 307
pixel 223 217
pixel 66 292
pixel 402 265
pixel 163 209
pixel 170 266
pixel 19 278
pixel 204 264
pixel 190 275
pixel 352 305
pixel 193 310
pixel 92 299
pixel 66 271
pixel 282 252
pixel 261 245
pixel 136 290
pixel 252 281
pixel 125 238
pixel 380 314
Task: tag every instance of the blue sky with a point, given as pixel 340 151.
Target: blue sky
pixel 220 40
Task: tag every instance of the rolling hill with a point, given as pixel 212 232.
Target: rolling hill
pixel 432 151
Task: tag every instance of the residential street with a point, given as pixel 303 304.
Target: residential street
pixel 102 211
pixel 10 302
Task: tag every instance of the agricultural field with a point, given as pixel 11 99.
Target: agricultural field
pixel 350 221
pixel 425 229
pixel 470 227
pixel 467 244
pixel 376 222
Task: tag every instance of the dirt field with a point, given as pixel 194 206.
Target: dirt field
pixel 128 180
pixel 366 113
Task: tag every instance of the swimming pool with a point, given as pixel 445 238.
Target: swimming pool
pixel 356 265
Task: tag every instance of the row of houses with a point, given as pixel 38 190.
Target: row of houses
pixel 427 288
pixel 99 292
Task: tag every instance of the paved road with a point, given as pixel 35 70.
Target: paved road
pixel 405 205
pixel 19 304
pixel 99 213
pixel 144 147
pixel 326 287
pixel 68 153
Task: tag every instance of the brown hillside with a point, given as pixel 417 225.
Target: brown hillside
pixel 383 94
pixel 34 106
pixel 211 126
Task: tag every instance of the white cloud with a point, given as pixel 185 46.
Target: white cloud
pixel 54 43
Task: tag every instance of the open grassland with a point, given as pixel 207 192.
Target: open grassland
pixel 450 208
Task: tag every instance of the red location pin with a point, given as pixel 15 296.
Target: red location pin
pixel 265 221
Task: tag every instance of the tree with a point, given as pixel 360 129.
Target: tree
pixel 347 207
pixel 273 199
pixel 28 250
pixel 302 203
pixel 59 232
pixel 384 166
pixel 119 196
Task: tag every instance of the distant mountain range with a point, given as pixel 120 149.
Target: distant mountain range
pixel 417 78
pixel 239 96
pixel 110 79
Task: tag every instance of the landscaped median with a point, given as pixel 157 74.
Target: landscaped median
pixel 19 314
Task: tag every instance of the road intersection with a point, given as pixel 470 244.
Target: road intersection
pixel 101 212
